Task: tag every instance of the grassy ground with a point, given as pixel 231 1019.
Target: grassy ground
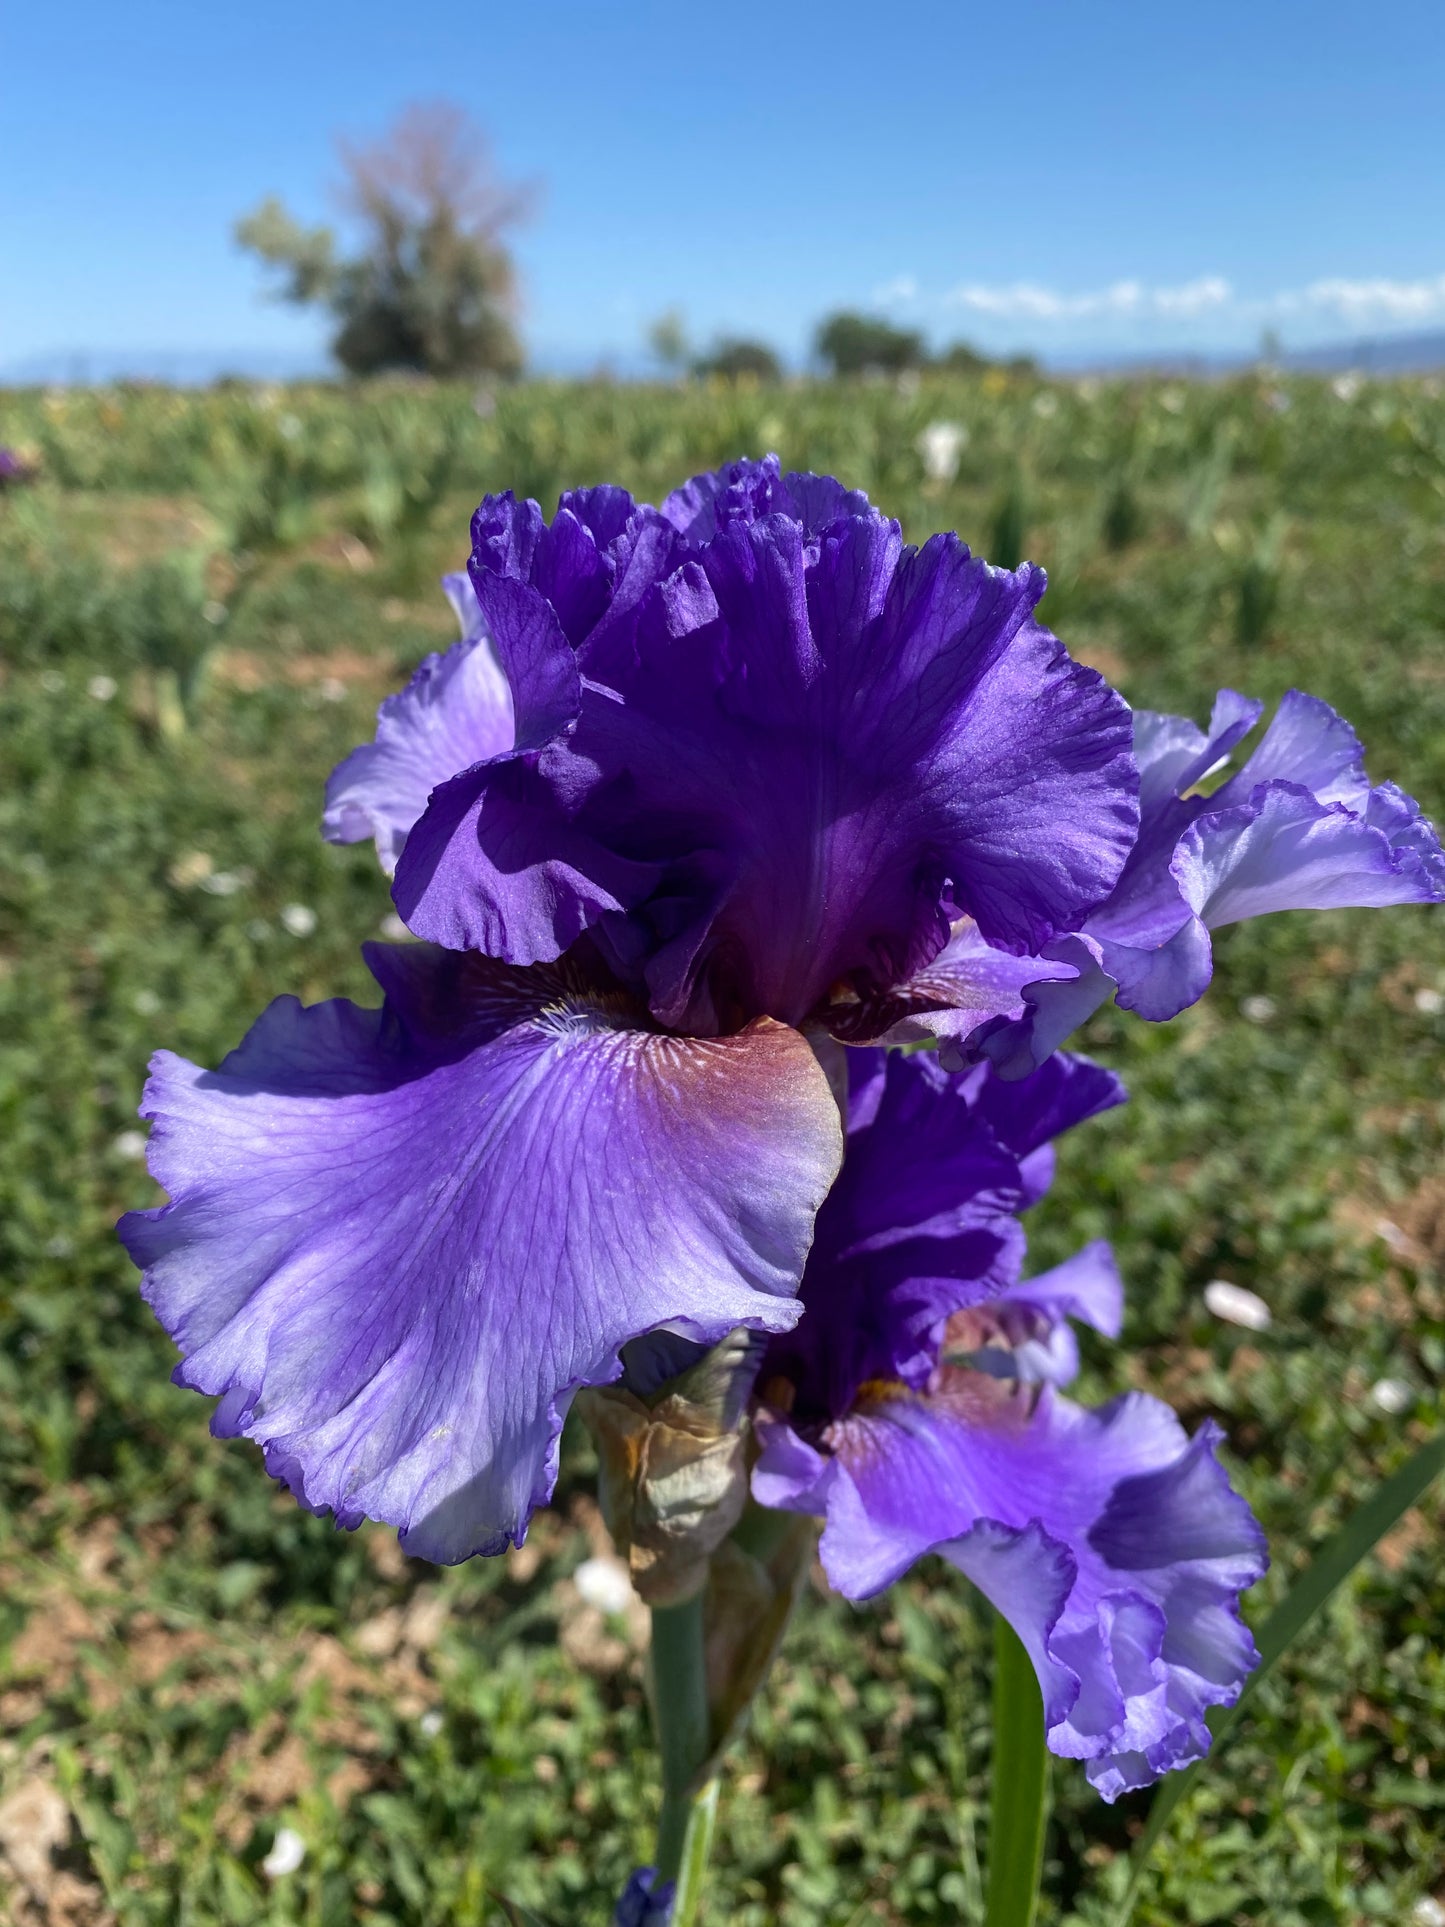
pixel 201 602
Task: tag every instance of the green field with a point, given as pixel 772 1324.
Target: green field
pixel 202 599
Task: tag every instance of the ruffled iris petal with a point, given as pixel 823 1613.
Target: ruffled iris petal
pixel 923 1222
pixel 1027 1115
pixel 400 1239
pixel 1298 827
pixel 791 735
pixel 1283 850
pixel 920 1221
pixel 914 1410
pixel 455 711
pixel 1112 1542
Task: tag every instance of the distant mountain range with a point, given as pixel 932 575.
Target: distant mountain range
pixel 1417 354
pixel 176 367
pixel 1383 355
pixel 1422 354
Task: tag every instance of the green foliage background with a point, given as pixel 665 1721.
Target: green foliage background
pixel 201 602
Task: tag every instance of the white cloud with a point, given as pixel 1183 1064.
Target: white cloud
pixel 1356 302
pixel 1374 300
pixel 1209 291
pixel 1026 300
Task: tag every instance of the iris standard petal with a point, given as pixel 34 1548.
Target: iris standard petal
pixel 400 1239
pixel 742 491
pixel 924 1160
pixel 455 711
pixel 791 734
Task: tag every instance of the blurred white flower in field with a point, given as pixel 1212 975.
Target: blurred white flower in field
pixel 102 688
pixel 1429 1002
pixel 431 1723
pixel 909 383
pixel 1390 1233
pixel 940 446
pixel 1046 404
pixel 1172 400
pixel 1258 1010
pixel 484 403
pixel 190 868
pixel 214 613
pixel 1346 387
pixel 299 919
pixel 1236 1306
pixel 288 1850
pixel 392 928
pixel 1392 1396
pixel 1427 1913
pixel 331 689
pixel 145 1003
pixel 51 681
pixel 290 426
pixel 258 930
pixel 603 1583
pixel 1089 388
pixel 129 1144
pixel 225 883
pixel 1278 402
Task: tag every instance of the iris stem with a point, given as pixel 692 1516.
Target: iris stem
pixel 1019 1806
pixel 684 1739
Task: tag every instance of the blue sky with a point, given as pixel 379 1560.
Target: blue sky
pixel 1061 177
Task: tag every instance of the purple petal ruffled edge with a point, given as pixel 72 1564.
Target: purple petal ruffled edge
pixel 396 1245
pixel 817 654
pixel 1113 1544
pixel 456 711
pixel 1298 827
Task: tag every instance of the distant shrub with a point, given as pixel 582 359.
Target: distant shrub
pixel 734 356
pixel 667 341
pixel 433 288
pixel 961 358
pixel 854 344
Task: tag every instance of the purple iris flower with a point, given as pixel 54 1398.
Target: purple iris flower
pixel 13 468
pixel 1298 827
pixel 758 758
pixel 644 1902
pixel 915 1409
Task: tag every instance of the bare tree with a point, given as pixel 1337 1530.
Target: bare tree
pixel 432 287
